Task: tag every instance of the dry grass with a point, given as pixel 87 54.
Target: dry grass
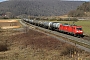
pixel 10 23
pixel 34 45
pixel 68 50
pixel 37 46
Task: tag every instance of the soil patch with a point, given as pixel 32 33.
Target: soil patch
pixel 8 24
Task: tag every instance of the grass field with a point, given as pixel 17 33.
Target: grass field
pixel 85 25
pixel 9 23
pixel 33 45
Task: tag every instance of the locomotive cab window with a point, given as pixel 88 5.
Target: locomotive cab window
pixel 79 28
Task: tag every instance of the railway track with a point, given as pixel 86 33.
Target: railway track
pixel 78 42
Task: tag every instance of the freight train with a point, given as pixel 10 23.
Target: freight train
pixel 64 28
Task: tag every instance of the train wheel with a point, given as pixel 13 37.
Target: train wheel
pixel 78 36
pixel 68 33
pixel 75 35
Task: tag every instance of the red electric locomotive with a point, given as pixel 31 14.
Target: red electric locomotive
pixel 71 29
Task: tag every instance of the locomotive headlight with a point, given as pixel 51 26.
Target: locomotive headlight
pixel 77 31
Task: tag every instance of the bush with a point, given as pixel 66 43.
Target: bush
pixel 68 49
pixel 3 47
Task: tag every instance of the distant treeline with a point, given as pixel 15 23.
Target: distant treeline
pixel 21 8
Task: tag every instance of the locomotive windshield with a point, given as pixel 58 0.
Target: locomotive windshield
pixel 79 28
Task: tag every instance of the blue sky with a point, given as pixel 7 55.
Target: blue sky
pixel 61 0
pixel 2 0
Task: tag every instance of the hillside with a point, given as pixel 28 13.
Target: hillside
pixel 38 7
pixel 81 11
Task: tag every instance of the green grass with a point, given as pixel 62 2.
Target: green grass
pixel 85 25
